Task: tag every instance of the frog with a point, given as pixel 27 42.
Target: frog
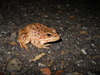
pixel 37 34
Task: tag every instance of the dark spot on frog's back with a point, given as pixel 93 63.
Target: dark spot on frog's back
pixel 49 35
pixel 38 30
pixel 38 33
pixel 32 28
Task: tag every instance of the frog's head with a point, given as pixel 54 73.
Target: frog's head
pixel 52 36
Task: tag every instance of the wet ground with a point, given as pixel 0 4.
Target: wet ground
pixel 76 53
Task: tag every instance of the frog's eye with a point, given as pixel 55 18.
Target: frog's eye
pixel 49 35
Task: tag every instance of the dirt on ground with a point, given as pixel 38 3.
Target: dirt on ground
pixel 76 53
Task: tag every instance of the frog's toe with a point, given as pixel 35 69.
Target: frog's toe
pixel 46 46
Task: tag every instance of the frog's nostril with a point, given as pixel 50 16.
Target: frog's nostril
pixel 48 35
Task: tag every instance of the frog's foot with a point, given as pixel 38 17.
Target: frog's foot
pixel 46 46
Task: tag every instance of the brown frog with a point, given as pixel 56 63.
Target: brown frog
pixel 38 34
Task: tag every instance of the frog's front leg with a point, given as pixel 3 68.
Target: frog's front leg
pixel 46 46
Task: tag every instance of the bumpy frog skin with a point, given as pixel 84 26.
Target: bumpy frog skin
pixel 38 34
